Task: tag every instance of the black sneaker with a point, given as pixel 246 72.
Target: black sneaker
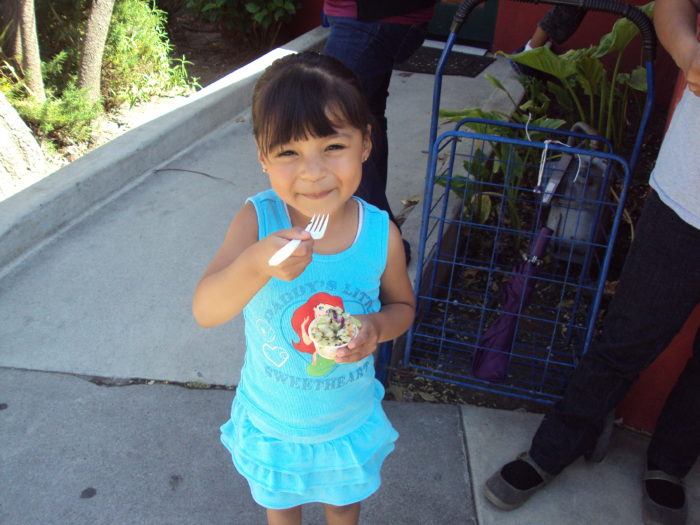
pixel 663 499
pixel 515 482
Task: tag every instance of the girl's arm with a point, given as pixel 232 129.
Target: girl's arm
pixel 239 269
pixel 675 22
pixel 398 306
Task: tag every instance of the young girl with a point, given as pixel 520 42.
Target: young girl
pixel 304 428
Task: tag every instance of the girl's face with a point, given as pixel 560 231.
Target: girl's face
pixel 320 309
pixel 318 175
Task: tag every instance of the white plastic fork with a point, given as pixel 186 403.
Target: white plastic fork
pixel 316 227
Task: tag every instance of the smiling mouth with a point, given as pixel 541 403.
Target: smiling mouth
pixel 316 196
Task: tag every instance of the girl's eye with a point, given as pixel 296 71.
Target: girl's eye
pixel 285 153
pixel 335 147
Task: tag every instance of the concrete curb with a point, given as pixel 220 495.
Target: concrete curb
pixel 35 214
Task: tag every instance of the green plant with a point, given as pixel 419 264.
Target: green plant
pixel 258 20
pixel 137 63
pixel 497 160
pixel 136 67
pixel 587 90
pixel 63 119
pixel 584 90
pixel 270 15
pixel 61 25
pixel 66 115
pixel 229 13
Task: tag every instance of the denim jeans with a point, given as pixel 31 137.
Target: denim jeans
pixel 370 50
pixel 658 289
pixel 562 21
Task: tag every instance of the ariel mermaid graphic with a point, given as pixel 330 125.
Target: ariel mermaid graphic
pixel 314 307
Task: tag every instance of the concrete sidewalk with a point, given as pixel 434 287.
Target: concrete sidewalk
pixel 97 342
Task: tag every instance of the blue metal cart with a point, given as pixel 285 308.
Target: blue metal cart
pixel 492 313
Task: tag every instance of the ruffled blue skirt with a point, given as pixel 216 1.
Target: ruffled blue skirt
pixel 284 474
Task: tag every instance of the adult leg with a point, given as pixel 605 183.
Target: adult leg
pixel 560 22
pixel 675 445
pixel 407 40
pixel 659 287
pixel 370 51
pixel 291 516
pixel 538 38
pixel 343 515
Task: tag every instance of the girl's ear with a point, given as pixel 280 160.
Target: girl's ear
pixel 261 159
pixel 367 143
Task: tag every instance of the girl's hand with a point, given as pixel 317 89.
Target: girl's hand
pixel 296 263
pixel 364 343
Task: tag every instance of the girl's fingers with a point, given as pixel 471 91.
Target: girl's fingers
pixel 362 345
pixel 282 237
pixel 295 264
pixel 355 351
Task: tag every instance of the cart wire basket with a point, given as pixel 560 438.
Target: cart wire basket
pixel 515 243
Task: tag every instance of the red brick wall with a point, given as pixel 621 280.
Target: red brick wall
pixel 641 408
pixel 307 18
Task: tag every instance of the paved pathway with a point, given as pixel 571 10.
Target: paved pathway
pixel 97 268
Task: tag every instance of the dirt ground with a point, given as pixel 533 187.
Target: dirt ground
pixel 213 54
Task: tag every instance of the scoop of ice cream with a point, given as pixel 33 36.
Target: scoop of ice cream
pixel 335 328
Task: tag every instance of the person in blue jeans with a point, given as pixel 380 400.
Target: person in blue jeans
pixel 557 25
pixel 369 37
pixel 658 289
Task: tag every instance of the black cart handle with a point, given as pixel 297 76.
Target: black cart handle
pixel 630 12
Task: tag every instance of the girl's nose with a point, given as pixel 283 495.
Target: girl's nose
pixel 314 168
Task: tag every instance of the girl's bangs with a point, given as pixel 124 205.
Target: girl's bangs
pixel 298 110
pixel 289 121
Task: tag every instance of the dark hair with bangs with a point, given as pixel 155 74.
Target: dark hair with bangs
pixel 306 95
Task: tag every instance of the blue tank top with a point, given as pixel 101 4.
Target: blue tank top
pixel 290 392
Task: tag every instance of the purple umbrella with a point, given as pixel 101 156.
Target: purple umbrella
pixel 491 358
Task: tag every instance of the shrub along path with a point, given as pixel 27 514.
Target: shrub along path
pixel 212 55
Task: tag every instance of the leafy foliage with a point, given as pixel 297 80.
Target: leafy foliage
pixel 270 13
pixel 229 13
pixel 490 162
pixel 585 87
pixel 584 90
pixel 137 63
pixel 63 119
pixel 60 28
pixel 259 20
pixel 136 66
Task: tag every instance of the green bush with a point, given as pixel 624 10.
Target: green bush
pixel 137 63
pixel 230 14
pixel 63 119
pixel 60 28
pixel 136 66
pixel 586 88
pixel 257 20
